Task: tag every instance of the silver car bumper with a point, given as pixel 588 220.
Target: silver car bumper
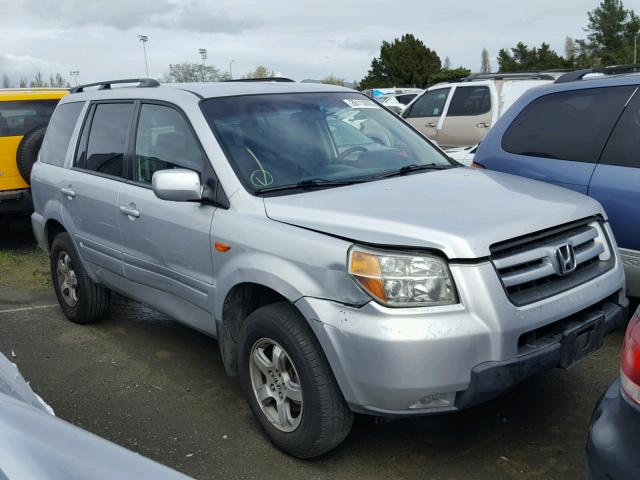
pixel 406 361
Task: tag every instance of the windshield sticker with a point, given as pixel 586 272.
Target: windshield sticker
pixel 261 178
pixel 361 103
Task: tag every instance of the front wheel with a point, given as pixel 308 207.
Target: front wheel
pixel 288 383
pixel 81 300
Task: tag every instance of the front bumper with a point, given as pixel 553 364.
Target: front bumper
pixel 15 202
pixel 614 436
pixel 387 361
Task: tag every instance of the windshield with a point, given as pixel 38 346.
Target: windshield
pixel 280 140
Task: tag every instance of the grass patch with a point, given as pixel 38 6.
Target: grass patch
pixel 24 268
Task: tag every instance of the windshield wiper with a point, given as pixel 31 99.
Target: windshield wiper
pixel 311 183
pixel 413 168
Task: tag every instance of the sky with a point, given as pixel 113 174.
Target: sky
pixel 301 39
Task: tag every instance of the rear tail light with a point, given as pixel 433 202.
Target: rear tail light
pixel 630 364
pixel 476 165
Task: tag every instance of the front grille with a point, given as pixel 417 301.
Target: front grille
pixel 530 269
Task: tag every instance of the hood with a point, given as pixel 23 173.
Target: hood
pixel 460 211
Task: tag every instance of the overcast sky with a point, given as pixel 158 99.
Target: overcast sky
pixel 300 39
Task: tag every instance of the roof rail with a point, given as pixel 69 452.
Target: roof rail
pixel 609 70
pixel 142 82
pixel 508 76
pixel 264 79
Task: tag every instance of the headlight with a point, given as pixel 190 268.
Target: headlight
pixel 402 280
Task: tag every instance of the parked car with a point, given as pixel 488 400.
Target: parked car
pixel 396 102
pixel 24 114
pixel 583 135
pixel 614 431
pixel 378 92
pixel 38 446
pixel 459 114
pixel 325 244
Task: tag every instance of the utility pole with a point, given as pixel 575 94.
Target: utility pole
pixel 75 74
pixel 203 54
pixel 230 70
pixel 144 39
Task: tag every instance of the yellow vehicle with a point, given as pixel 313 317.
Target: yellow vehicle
pixel 24 115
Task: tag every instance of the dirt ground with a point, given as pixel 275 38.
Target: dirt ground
pixel 158 388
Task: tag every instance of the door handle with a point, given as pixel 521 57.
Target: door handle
pixel 130 212
pixel 68 192
pixel 482 125
pixel 430 125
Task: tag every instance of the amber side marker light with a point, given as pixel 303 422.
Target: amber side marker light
pixel 222 247
pixel 366 269
pixel 630 363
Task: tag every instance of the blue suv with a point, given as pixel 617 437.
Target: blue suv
pixel 582 134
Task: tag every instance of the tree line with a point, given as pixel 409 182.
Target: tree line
pixel 38 81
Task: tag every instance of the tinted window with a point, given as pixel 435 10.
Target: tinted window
pixel 568 125
pixel 59 131
pixel 624 145
pixel 18 118
pixel 468 101
pixel 406 99
pixel 108 138
pixel 164 140
pixel 430 104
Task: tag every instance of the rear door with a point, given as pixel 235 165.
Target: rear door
pixel 425 113
pixel 166 245
pixel 90 190
pixel 558 137
pixel 616 180
pixel 468 118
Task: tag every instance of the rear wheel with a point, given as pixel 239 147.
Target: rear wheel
pixel 289 384
pixel 28 151
pixel 81 300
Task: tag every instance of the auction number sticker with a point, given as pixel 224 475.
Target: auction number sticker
pixel 360 103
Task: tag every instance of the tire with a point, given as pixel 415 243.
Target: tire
pixel 91 300
pixel 28 151
pixel 323 417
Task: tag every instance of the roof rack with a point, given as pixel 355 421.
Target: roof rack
pixel 507 76
pixel 142 83
pixel 610 70
pixel 264 79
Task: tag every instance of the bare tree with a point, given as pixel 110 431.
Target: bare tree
pixel 38 81
pixel 570 49
pixel 187 72
pixel 485 66
pixel 333 80
pixel 260 72
pixel 59 81
pixel 447 64
pixel 23 82
pixel 5 81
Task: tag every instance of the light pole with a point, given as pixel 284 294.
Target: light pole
pixel 144 39
pixel 230 70
pixel 203 54
pixel 74 74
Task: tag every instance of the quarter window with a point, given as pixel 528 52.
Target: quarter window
pixel 59 131
pixel 164 141
pixel 623 148
pixel 430 104
pixel 469 101
pixel 107 139
pixel 570 125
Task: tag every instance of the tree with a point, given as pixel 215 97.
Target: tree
pixel 187 72
pixel 23 82
pixel 404 62
pixel 570 49
pixel 610 34
pixel 521 58
pixel 59 81
pixel 333 80
pixel 260 72
pixel 485 66
pixel 447 64
pixel 5 81
pixel 38 81
pixel 451 74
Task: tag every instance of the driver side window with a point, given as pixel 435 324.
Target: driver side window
pixel 164 141
pixel 431 104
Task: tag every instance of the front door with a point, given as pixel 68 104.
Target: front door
pixel 468 118
pixel 166 245
pixel 424 114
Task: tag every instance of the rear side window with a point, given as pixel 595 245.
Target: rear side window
pixel 20 117
pixel 59 131
pixel 107 139
pixel 568 125
pixel 623 148
pixel 430 104
pixel 469 101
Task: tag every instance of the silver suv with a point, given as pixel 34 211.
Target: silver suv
pixel 343 263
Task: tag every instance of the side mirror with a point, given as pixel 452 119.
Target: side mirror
pixel 177 185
